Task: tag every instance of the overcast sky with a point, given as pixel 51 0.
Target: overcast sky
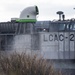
pixel 47 8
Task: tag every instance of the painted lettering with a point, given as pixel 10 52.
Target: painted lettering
pixel 61 37
pixel 50 37
pixel 45 39
pixel 55 37
pixel 71 37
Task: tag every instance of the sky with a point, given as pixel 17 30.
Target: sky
pixel 47 8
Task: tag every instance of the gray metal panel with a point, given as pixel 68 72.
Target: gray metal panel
pixel 57 45
pixel 35 41
pixel 8 27
pixel 22 43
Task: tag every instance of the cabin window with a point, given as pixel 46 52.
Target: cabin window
pixel 61 27
pixel 72 27
pixel 54 27
pixel 57 27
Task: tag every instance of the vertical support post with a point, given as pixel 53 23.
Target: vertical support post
pixel 58 47
pixel 24 28
pixel 69 43
pixel 0 42
pixel 64 47
pixel 74 45
pixel 19 29
pixel 31 32
pixel 5 42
